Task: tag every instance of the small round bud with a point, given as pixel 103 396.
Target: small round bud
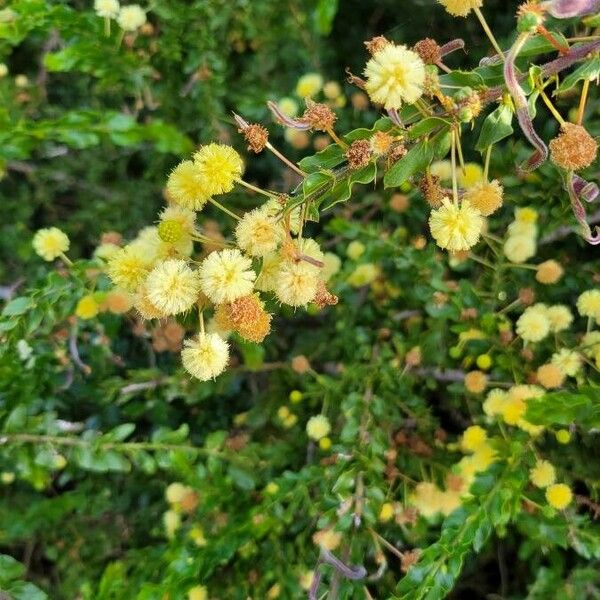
pixel 296 396
pixel 170 231
pixel 484 362
pixel 563 436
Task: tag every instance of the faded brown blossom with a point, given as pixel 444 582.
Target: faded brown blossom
pixel 257 137
pixel 432 191
pixel 526 296
pixel 300 364
pixel 319 116
pixel 324 297
pixel 399 203
pixel 376 44
pixel 408 516
pixel 574 148
pixel 245 315
pixel 429 51
pixel 111 237
pixel 413 357
pixel 359 154
pixel 168 337
pixel 397 152
pixel 409 559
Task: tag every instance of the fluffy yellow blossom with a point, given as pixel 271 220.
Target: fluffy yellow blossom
pixel 128 268
pixel 325 444
pixel 472 175
pixel 296 283
pixel 108 9
pixel 332 90
pixel 513 408
pixel 460 8
pixel 327 538
pixel 524 229
pixel 428 499
pixel 441 169
pixel 3 70
pixel 226 275
pixel 526 215
pixel 87 307
pixel 386 513
pixel 456 228
pixel 206 356
pixel 549 272
pixel 560 317
pixel 288 106
pixel 331 265
pixel 50 243
pixel 172 522
pixel 106 251
pixel 173 287
pixel 483 457
pixel 306 579
pixel 187 187
pixel 472 438
pixel 485 196
pixel 519 248
pixel 476 382
pixel 318 427
pixel 533 325
pixel 563 436
pixel 543 474
pixel 559 496
pixel 309 85
pixel 198 592
pixel 144 306
pixel 257 233
pixel 395 75
pixel 355 250
pixel 177 222
pixel 550 376
pixel 176 492
pixel 588 304
pixel 494 402
pixel 267 278
pixel 568 361
pixel 131 17
pixel 219 166
pixel 364 274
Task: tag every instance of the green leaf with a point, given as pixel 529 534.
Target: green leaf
pixel 463 79
pixel 10 569
pixel 563 408
pixel 496 127
pixel 416 160
pixel 342 190
pixel 18 306
pixel 427 126
pixel 588 70
pixel 325 14
pixel 328 158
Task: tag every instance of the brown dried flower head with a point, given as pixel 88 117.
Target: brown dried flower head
pixel 111 237
pixel 324 297
pixel 397 152
pixel 359 154
pixel 399 203
pixel 376 44
pixel 429 51
pixel 432 190
pixel 526 296
pixel 485 196
pixel 257 137
pixel 247 316
pixel 300 364
pixel 319 116
pixel 574 148
pixel 381 143
pixel 549 272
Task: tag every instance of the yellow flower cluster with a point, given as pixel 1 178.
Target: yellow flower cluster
pixel 521 242
pixel 510 406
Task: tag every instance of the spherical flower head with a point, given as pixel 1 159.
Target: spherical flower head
pixel 427 499
pixel 50 243
pixel 87 307
pixel 106 251
pixel 172 522
pixel 109 9
pixel 395 75
pixel 549 272
pixel 131 17
pixel 563 436
pixel 187 187
pixel 533 325
pixel 318 427
pixel 456 228
pixel 331 265
pixel 441 169
pixel 470 175
pixel 355 250
pixel 473 438
pixel 247 316
pixel 543 474
pixel 588 304
pixel 476 382
pixel 568 361
pixel 296 283
pixel 560 318
pixel 309 85
pixel 559 496
pixel 512 410
pixel 118 301
pixel 332 90
pixel 485 196
pixel 267 278
pixel 494 402
pixel 179 220
pixel 205 356
pixel 319 116
pixel 176 492
pixel 574 148
pixel 145 307
pixel 128 268
pixel 522 228
pixel 288 106
pixel 226 276
pixel 258 234
pixel 550 376
pixel 387 512
pixel 3 70
pixel 198 592
pixel 327 538
pixel 364 274
pixel 460 8
pixel 173 287
pixel 219 166
pixel 519 248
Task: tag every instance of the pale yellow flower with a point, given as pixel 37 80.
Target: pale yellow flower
pixel 257 233
pixel 50 243
pixel 318 427
pixel 205 356
pixel 456 228
pixel 219 166
pixel 173 287
pixel 226 276
pixel 131 17
pixel 460 8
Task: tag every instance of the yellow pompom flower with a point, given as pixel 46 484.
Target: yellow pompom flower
pixel 109 9
pixel 267 278
pixel 522 228
pixel 526 214
pixel 355 250
pixel 128 268
pixel 441 169
pixel 364 274
pixel 550 376
pixel 460 8
pixel 588 304
pixel 533 325
pixel 206 356
pixel 456 228
pixel 386 513
pixel 549 272
pixel 50 243
pixel 176 492
pixel 226 276
pixel 331 265
pixel 131 17
pixel 395 75
pixel 296 283
pixel 568 361
pixel 494 402
pixel 519 248
pixel 176 224
pixel 87 307
pixel 187 187
pixel 219 166
pixel 543 474
pixel 476 382
pixel 473 438
pixel 318 427
pixel 258 234
pixel 172 522
pixel 144 306
pixel 106 251
pixel 563 436
pixel 485 196
pixel 560 317
pixel 309 85
pixel 198 592
pixel 559 496
pixel 173 287
pixel 470 176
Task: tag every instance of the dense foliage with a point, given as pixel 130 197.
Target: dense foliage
pixel 422 423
